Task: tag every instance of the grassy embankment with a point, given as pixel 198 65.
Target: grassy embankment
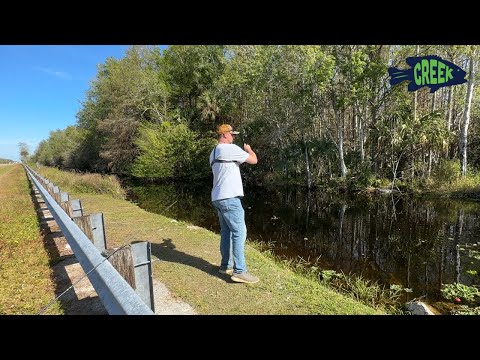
pixel 445 181
pixel 467 188
pixel 189 258
pixel 25 275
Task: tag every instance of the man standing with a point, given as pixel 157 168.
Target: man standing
pixel 225 161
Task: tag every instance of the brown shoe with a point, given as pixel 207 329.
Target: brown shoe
pixel 245 278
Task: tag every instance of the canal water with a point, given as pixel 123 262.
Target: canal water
pixel 418 244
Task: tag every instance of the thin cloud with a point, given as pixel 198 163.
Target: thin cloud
pixel 29 142
pixel 59 74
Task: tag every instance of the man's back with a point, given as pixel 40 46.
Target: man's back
pixel 225 160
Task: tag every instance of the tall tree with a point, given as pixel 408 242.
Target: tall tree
pixel 125 93
pixel 189 72
pixel 24 151
pixel 466 114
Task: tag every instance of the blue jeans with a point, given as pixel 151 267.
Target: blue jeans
pixel 233 233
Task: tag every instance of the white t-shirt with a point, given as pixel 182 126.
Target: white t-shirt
pixel 227 182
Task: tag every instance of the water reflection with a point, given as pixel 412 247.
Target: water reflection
pixel 419 244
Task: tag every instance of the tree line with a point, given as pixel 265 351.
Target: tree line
pixel 314 114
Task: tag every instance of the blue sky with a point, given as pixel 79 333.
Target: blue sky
pixel 41 89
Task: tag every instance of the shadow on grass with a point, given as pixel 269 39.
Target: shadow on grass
pixel 166 251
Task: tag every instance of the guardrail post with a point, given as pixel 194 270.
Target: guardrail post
pixel 57 195
pixel 142 260
pixel 122 261
pixel 63 197
pixel 73 208
pixel 94 227
pixel 65 207
pixel 97 224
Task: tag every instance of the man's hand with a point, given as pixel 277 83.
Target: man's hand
pixel 252 158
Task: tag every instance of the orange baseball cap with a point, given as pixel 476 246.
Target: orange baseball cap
pixel 226 128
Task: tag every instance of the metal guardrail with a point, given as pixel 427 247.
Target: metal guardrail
pixel 116 294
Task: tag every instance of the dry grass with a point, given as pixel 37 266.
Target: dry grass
pixel 83 182
pixel 25 275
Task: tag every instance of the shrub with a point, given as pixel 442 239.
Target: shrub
pixel 447 171
pixel 464 292
pixel 171 151
pixel 84 182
